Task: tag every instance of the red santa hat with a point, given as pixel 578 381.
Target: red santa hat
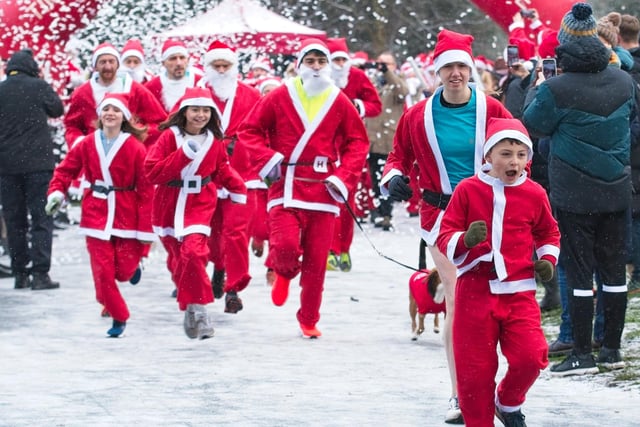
pixel 118 100
pixel 267 81
pixel 195 97
pixel 499 129
pixel 312 44
pixel 104 49
pixel 173 47
pixel 338 48
pixel 132 47
pixel 360 57
pixel 219 50
pixel 481 62
pixel 453 47
pixel 548 43
pixel 262 63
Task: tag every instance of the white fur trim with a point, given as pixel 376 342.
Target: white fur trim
pixel 197 102
pixel 173 50
pixel 451 56
pixel 132 52
pixel 511 134
pixel 312 46
pixel 224 54
pixel 340 54
pixel 106 50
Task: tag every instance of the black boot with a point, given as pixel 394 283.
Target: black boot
pixel 551 299
pixel 217 283
pixel 42 281
pixel 22 281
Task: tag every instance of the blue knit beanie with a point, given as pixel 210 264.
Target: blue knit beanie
pixel 578 22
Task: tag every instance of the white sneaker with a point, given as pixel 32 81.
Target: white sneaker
pixel 190 322
pixel 453 415
pixel 203 323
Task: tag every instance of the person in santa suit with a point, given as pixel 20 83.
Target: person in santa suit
pixel 494 221
pixel 187 165
pixel 435 134
pixel 176 74
pixel 229 240
pixel 364 96
pixel 107 78
pixel 114 207
pixel 259 70
pixel 309 142
pixel 132 60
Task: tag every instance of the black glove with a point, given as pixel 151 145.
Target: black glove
pixel 382 67
pixel 399 189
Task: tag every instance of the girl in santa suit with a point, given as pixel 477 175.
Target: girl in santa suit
pixel 115 208
pixel 493 222
pixel 188 163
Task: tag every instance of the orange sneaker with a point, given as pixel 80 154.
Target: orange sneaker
pixel 280 290
pixel 310 332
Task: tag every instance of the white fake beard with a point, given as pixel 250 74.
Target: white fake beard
pixel 136 74
pixel 315 82
pixel 223 84
pixel 340 75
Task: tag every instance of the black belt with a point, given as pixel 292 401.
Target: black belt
pixel 180 182
pixel 438 200
pixel 107 189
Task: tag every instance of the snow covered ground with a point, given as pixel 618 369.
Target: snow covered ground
pixel 57 368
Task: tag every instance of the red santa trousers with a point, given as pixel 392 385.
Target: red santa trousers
pixel 299 244
pixel 229 243
pixel 111 260
pixel 343 231
pixel 481 321
pixel 189 258
pixel 257 205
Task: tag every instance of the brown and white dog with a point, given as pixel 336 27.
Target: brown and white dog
pixel 426 295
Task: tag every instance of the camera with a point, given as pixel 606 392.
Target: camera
pixel 527 13
pixel 370 65
pixel 549 68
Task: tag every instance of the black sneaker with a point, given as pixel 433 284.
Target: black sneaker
pixel 217 283
pixel 232 302
pixel 511 419
pixel 610 358
pixel 560 348
pixel 42 281
pixel 575 364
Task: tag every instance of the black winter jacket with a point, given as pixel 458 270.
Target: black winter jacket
pixel 26 102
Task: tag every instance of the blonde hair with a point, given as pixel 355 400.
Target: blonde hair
pixel 608 28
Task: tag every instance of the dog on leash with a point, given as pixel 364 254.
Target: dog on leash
pixel 426 296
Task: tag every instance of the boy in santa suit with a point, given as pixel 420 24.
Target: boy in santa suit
pixel 81 116
pixel 308 140
pixel 359 89
pixel 132 60
pixel 116 206
pixel 494 221
pixel 229 240
pixel 435 134
pixel 176 75
pixel 187 164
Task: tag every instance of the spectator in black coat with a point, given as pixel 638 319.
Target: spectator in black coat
pixel 26 166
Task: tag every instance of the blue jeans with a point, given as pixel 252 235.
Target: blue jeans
pixel 634 253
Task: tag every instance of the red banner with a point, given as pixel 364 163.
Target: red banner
pixel 502 11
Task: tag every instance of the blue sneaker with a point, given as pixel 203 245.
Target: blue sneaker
pixel 116 329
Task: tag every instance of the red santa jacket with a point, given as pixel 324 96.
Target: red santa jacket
pixel 363 93
pixel 415 141
pixel 519 221
pixel 424 301
pixel 81 117
pixel 124 211
pixel 186 192
pixel 168 91
pixel 332 147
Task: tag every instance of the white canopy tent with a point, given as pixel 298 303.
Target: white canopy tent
pixel 245 25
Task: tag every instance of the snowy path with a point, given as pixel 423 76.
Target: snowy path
pixel 57 368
